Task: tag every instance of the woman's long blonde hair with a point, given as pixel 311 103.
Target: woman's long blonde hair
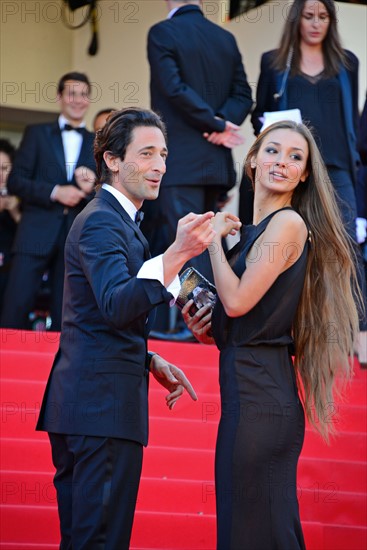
pixel 326 321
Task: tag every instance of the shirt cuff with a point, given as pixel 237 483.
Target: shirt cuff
pixel 53 193
pixel 153 269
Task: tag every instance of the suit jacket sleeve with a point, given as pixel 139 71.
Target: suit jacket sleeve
pixel 163 64
pixel 264 93
pixel 239 102
pixel 361 187
pixel 110 259
pixel 23 180
pixel 353 69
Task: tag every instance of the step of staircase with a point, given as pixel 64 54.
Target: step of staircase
pixel 188 496
pixel 157 530
pixel 189 463
pixel 176 503
pixel 18 396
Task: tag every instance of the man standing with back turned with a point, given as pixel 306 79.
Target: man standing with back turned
pixel 95 407
pixel 199 87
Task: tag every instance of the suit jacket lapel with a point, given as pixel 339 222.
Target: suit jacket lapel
pixel 105 195
pixel 57 146
pixel 85 148
pixel 347 102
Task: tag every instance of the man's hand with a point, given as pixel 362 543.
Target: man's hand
pixel 172 378
pixel 229 138
pixel 11 204
pixel 361 230
pixel 85 178
pixel 194 234
pixel 69 195
pixel 8 202
pixel 200 323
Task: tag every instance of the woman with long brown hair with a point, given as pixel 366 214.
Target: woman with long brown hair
pixel 287 288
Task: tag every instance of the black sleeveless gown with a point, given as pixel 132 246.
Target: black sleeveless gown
pixel 261 429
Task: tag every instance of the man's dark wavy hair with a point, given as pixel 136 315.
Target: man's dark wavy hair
pixel 78 77
pixel 116 135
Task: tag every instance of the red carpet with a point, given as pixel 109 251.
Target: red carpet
pixel 176 504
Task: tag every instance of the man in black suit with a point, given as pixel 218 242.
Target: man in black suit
pixel 53 175
pixel 199 86
pixel 96 401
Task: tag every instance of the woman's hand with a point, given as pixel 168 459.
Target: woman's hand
pixel 200 323
pixel 225 223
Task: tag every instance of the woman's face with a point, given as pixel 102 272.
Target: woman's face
pixel 314 24
pixel 5 167
pixel 281 162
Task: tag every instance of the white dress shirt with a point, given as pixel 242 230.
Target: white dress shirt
pixel 172 13
pixel 72 141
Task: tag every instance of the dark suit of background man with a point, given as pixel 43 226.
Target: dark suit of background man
pixel 199 86
pixel 53 175
pixel 96 402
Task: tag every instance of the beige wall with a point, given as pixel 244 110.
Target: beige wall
pixel 120 71
pixel 35 49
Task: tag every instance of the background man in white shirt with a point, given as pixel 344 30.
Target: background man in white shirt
pixel 53 175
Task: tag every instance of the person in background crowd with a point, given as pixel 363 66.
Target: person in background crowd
pixel 53 174
pixel 100 119
pixel 10 214
pixel 198 84
pixel 278 296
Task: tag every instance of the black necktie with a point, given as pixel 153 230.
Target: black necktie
pixel 69 127
pixel 139 216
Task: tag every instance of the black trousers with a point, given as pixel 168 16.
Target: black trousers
pixel 24 282
pixel 97 481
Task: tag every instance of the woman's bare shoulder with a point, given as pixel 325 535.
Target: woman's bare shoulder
pixel 287 223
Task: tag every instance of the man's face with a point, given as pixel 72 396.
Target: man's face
pixel 139 175
pixel 74 101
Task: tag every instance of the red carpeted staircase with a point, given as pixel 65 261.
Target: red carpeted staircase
pixel 176 503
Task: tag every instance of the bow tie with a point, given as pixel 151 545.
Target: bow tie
pixel 139 216
pixel 69 127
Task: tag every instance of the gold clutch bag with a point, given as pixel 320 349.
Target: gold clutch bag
pixel 194 286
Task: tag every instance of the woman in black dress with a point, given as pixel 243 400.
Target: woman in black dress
pixel 286 288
